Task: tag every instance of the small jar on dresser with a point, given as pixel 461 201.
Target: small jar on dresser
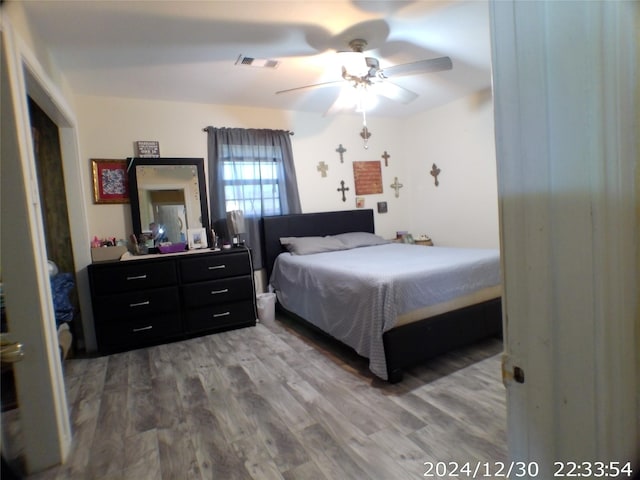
pixel 160 298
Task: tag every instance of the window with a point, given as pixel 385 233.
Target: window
pixel 251 170
pixel 252 186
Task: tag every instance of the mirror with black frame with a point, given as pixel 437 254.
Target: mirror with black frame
pixel 168 200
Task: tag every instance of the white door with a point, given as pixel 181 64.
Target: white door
pixel 39 382
pixel 565 90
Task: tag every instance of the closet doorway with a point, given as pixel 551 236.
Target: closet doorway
pixel 55 218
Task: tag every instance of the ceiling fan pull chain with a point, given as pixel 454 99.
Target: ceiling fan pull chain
pixel 365 131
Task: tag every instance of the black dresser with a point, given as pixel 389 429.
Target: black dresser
pixel 161 298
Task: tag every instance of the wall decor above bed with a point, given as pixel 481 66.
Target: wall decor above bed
pixel 435 171
pixel 322 168
pixel 367 177
pixel 396 186
pixel 365 134
pixel 341 151
pixel 386 157
pixel 343 189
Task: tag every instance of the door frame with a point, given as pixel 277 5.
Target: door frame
pixel 44 413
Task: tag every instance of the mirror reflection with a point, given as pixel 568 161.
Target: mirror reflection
pixel 168 199
pixel 165 212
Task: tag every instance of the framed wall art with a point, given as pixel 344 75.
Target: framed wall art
pixel 110 181
pixel 368 177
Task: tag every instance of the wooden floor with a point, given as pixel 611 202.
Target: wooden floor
pixel 276 401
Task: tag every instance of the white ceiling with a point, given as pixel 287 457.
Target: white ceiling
pixel 186 50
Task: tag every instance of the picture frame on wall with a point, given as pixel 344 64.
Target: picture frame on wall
pixel 367 176
pixel 197 238
pixel 110 181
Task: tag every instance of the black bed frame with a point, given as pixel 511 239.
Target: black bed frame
pixel 406 345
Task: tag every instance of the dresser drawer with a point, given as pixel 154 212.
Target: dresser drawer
pixel 168 297
pixel 134 275
pixel 120 335
pixel 217 291
pixel 220 316
pixel 137 304
pixel 214 266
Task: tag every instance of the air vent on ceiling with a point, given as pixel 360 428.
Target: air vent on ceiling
pixel 256 62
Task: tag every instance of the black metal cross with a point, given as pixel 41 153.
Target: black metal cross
pixel 341 150
pixel 343 189
pixel 435 171
pixel 386 156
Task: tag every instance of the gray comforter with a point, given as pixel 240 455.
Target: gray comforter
pixel 356 295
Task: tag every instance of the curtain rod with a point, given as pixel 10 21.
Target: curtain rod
pixel 288 131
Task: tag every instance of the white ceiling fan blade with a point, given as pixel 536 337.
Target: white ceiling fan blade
pixel 393 91
pixel 311 87
pixel 422 66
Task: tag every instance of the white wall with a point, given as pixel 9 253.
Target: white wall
pixel 462 210
pixel 459 135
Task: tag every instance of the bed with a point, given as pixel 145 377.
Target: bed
pixel 395 304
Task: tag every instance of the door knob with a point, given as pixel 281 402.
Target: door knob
pixel 10 352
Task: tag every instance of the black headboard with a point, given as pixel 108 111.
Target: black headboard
pixel 311 225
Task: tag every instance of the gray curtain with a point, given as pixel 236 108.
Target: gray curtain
pixel 250 170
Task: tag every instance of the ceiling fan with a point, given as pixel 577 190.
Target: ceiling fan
pixel 364 73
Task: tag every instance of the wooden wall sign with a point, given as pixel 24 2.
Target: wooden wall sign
pixel 368 177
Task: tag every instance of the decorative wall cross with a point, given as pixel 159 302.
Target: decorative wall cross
pixel 435 171
pixel 343 189
pixel 341 150
pixel 322 168
pixel 396 186
pixel 365 133
pixel 386 156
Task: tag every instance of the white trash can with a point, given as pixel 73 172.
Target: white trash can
pixel 266 306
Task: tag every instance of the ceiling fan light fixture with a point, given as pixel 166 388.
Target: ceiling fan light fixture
pixel 358 98
pixel 354 63
pixel 366 100
pixel 347 99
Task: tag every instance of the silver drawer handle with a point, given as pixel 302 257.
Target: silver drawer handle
pixel 216 315
pixel 138 277
pixel 142 328
pixel 217 267
pixel 140 304
pixel 216 292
